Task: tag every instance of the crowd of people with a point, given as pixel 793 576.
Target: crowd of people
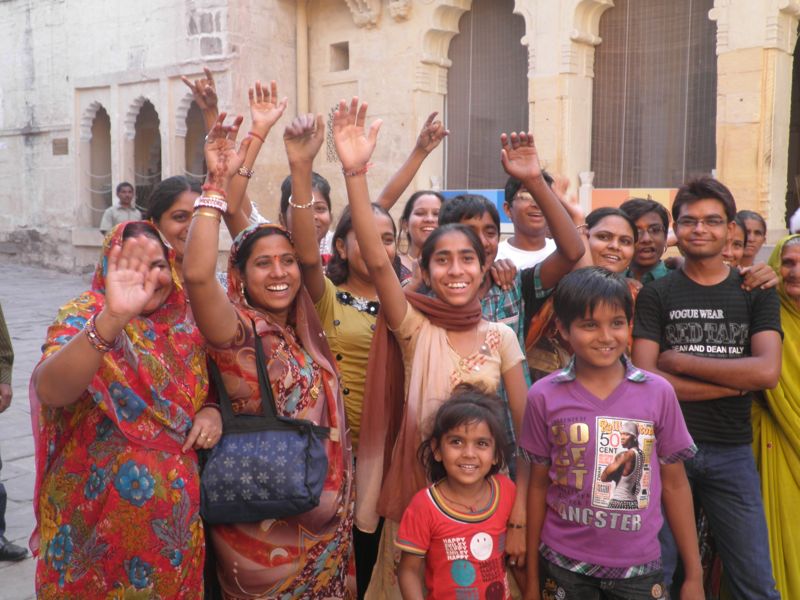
pixel 563 414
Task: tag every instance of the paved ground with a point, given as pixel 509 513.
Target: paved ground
pixel 30 298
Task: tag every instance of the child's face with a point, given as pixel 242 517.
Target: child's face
pixel 467 453
pixel 599 339
pixel 454 272
pixel 486 230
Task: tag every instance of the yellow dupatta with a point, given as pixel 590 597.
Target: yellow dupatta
pixel 776 446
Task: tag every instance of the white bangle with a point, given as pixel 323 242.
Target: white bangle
pixel 307 205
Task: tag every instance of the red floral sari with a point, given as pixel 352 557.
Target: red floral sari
pixel 116 502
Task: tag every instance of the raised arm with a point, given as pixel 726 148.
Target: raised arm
pixel 432 134
pixel 265 110
pixel 303 139
pixel 645 355
pixel 521 160
pixel 760 371
pixel 355 147
pixel 135 270
pixel 212 310
pixel 204 91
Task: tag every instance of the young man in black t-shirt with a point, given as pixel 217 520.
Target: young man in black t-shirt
pixel 716 344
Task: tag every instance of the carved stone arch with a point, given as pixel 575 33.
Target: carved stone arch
pixel 87 119
pixel 129 125
pixel 181 112
pixel 523 9
pixel 577 54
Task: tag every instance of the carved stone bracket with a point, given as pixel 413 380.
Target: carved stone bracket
pixel 781 30
pixel 365 12
pixel 400 9
pixel 577 54
pixel 181 112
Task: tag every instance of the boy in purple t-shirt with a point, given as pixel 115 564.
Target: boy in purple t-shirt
pixel 604 438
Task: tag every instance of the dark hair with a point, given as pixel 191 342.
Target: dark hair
pixel 598 214
pixel 704 188
pixel 246 249
pixel 636 208
pixel 318 182
pixel 165 193
pixel 123 184
pixel 430 244
pixel 513 185
pixel 338 268
pixel 752 215
pixel 467 206
pixel 581 291
pixel 466 405
pixel 411 202
pixel 141 229
pixel 739 221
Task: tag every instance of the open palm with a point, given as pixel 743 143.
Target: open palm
pixel 265 108
pixel 135 270
pixel 303 138
pixel 519 156
pixel 222 157
pixel 354 144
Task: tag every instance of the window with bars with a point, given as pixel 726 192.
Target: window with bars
pixel 487 93
pixel 654 101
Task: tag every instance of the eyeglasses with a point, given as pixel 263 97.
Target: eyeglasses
pixel 692 223
pixel 651 230
pixel 524 198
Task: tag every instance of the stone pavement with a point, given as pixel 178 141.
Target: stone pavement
pixel 30 298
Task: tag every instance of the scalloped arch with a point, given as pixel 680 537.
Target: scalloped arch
pixel 129 125
pixel 181 112
pixel 87 119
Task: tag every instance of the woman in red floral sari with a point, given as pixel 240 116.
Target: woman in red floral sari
pixel 117 406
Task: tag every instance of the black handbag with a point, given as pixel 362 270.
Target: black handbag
pixel 264 466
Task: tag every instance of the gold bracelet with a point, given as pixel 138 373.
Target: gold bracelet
pixel 208 212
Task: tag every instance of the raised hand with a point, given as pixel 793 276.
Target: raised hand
pixel 353 145
pixel 222 157
pixel 265 108
pixel 432 134
pixel 519 156
pixel 204 90
pixel 135 271
pixel 303 138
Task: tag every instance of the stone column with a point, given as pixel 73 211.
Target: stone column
pixel 754 87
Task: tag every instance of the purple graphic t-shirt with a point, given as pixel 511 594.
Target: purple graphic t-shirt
pixel 604 500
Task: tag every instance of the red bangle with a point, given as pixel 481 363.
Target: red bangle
pixel 257 136
pixel 207 187
pixel 356 172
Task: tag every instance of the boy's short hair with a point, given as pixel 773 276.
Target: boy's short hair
pixel 704 188
pixel 636 208
pixel 581 291
pixel 467 206
pixel 513 185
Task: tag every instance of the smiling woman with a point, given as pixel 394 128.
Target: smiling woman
pixel 170 210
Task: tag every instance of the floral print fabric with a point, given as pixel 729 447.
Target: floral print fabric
pixel 117 503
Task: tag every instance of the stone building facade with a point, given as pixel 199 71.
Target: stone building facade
pixel 90 95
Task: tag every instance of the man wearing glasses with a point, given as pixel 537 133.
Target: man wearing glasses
pixel 717 344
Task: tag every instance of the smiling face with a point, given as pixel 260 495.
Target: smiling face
pixel 174 223
pixel 756 236
pixel 424 219
pixel 790 271
pixel 599 339
pixel 272 276
pixel 467 453
pixel 349 249
pixel 526 215
pixel 651 242
pixel 611 243
pixel 488 233
pixel 702 229
pixel 322 215
pixel 454 272
pixel 734 249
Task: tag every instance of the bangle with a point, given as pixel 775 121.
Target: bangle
pixel 309 204
pixel 97 341
pixel 207 187
pixel 205 212
pixel 356 172
pixel 582 227
pixel 211 405
pixel 211 202
pixel 515 525
pixel 258 136
pixel 245 172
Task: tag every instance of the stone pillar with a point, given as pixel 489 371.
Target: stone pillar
pixel 754 87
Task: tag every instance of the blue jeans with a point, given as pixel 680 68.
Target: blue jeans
pixel 561 584
pixel 726 483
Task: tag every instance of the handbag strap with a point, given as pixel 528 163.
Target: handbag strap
pixel 267 397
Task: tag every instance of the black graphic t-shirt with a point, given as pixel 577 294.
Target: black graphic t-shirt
pixel 715 321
